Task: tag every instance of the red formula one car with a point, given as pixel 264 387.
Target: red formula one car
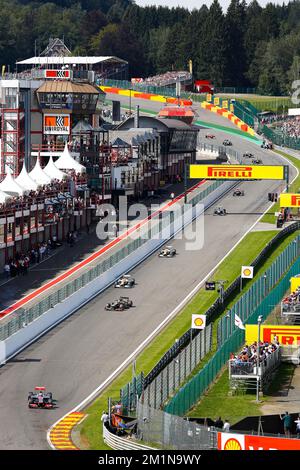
pixel 40 398
pixel 210 136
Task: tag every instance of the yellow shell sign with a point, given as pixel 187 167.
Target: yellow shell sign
pixel 232 444
pixel 198 322
pixel 237 172
pixel 247 272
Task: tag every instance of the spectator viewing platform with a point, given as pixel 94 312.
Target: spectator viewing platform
pixel 290 305
pixel 244 370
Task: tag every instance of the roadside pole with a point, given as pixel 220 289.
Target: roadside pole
pixel 185 182
pixel 259 320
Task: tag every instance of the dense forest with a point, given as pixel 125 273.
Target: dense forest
pixel 247 46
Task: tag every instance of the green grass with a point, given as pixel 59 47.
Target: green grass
pixel 218 400
pixel 265 103
pixel 294 187
pixel 244 253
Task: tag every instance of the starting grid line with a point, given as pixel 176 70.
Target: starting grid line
pixel 60 435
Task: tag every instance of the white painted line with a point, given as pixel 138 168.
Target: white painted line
pixel 128 360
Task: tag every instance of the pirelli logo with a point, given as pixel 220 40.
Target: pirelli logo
pixel 287 335
pixel 237 172
pixel 290 200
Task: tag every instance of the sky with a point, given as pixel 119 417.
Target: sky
pixel 195 3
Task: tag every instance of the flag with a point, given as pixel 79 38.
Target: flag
pixel 247 272
pixel 238 322
pixel 198 322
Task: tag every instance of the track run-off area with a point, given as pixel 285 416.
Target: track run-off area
pixel 79 354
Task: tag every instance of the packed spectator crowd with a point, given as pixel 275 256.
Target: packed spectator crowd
pixel 291 127
pixel 248 355
pixel 168 78
pixel 292 302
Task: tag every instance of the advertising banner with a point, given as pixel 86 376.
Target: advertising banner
pixel 225 104
pixel 216 101
pixel 287 335
pixel 247 272
pixel 230 441
pixel 58 124
pixel 198 322
pixel 295 283
pixel 237 172
pixel 58 74
pixel 289 200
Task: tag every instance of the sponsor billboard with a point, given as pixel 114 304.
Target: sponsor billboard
pixel 216 101
pixel 137 80
pixel 230 441
pixel 237 172
pixel 290 200
pixel 198 322
pixel 247 272
pixel 225 104
pixel 58 74
pixel 295 283
pixel 287 335
pixel 58 124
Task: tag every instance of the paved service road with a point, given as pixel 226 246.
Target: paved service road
pixel 80 353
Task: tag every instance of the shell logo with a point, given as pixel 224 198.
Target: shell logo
pixel 247 272
pixel 198 322
pixel 232 444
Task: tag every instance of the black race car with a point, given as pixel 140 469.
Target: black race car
pixel 248 155
pixel 227 142
pixel 167 252
pixel 123 303
pixel 238 192
pixel 125 281
pixel 257 161
pixel 40 398
pixel 267 145
pixel 220 211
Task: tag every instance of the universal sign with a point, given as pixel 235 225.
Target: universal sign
pixel 237 172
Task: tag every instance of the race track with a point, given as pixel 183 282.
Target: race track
pixel 79 354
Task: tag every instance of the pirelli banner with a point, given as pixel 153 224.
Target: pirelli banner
pixel 287 335
pixel 290 200
pixel 57 124
pixel 237 172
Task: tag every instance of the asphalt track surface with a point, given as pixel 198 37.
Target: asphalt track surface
pixel 79 354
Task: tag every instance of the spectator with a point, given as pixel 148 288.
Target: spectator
pixel 104 418
pixel 6 270
pixel 219 423
pixel 287 423
pixel 226 426
pixel 298 426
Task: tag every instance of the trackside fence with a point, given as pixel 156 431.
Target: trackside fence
pixel 173 432
pixel 23 317
pixel 190 393
pixel 258 291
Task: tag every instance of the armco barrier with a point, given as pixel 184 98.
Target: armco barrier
pixel 120 443
pixel 27 326
pixel 190 393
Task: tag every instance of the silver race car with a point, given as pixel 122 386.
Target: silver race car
pixel 125 281
pixel 167 252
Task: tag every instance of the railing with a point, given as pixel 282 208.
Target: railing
pixel 239 368
pixel 23 317
pixel 121 443
pixel 188 395
pixel 290 309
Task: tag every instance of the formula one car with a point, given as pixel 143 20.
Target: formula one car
pixel 40 398
pixel 125 281
pixel 257 161
pixel 210 136
pixel 123 303
pixel 238 192
pixel 167 252
pixel 267 145
pixel 248 155
pixel 227 142
pixel 220 211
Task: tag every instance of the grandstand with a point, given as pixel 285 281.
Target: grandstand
pixel 169 79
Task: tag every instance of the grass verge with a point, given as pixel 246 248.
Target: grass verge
pixel 219 402
pixel 244 253
pixel 294 187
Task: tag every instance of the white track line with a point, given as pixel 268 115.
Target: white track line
pixel 128 360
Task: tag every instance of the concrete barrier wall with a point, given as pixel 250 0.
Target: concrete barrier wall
pixel 29 333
